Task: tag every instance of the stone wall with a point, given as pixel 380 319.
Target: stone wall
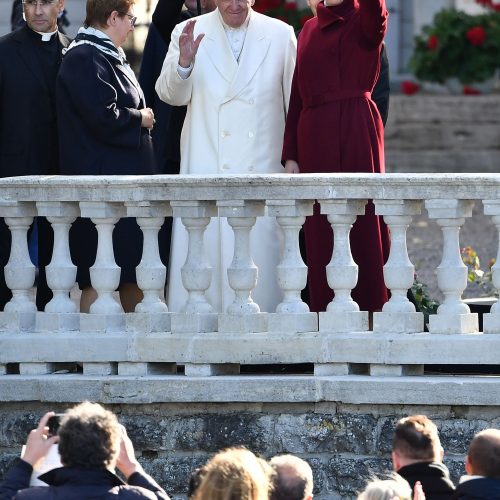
pixel 344 444
pixel 443 133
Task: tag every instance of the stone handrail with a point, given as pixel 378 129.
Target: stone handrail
pixel 155 342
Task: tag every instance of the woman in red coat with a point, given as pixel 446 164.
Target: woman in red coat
pixel 334 126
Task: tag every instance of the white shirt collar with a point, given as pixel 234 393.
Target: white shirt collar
pixel 46 36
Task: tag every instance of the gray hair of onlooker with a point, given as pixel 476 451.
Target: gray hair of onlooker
pixel 293 479
pixel 392 488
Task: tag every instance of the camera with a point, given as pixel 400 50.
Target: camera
pixel 53 423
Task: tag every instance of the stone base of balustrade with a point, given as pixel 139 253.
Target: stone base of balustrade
pixel 379 370
pixel 210 370
pixel 331 369
pixel 31 369
pixel 243 323
pixel 57 322
pixel 14 321
pixel 132 369
pixel 491 323
pixel 194 323
pixel 293 323
pixel 340 322
pixel 148 322
pixel 102 322
pixel 392 322
pixel 454 323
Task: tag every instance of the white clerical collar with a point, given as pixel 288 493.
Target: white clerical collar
pixel 46 37
pixel 243 27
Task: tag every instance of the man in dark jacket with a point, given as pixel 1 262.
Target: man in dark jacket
pixel 417 455
pixel 29 62
pixel 482 465
pixel 91 445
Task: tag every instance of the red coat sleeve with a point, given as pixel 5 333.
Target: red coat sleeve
pixel 373 15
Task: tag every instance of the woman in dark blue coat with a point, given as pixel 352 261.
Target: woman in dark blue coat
pixel 104 129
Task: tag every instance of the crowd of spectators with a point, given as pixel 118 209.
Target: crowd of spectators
pixel 98 461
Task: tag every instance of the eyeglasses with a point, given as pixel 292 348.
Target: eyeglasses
pixel 41 3
pixel 133 19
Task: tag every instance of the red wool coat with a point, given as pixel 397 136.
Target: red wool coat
pixel 334 126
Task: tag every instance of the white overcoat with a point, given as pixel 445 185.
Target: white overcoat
pixel 234 124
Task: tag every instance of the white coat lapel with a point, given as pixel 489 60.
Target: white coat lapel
pixel 254 52
pixel 217 47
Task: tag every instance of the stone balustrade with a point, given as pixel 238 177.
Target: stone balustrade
pixel 153 355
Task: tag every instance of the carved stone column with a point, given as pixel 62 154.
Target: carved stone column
pixel 61 312
pixel 453 314
pixel 292 315
pixel 491 321
pixel 398 314
pixel 104 274
pixel 342 313
pixel 243 315
pixel 20 271
pixel 152 312
pixel 197 314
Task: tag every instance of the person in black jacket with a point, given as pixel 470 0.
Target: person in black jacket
pixel 482 465
pixel 91 445
pixel 417 455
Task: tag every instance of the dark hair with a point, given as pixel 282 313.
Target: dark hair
pixel 484 453
pixel 89 437
pixel 98 11
pixel 293 479
pixel 416 438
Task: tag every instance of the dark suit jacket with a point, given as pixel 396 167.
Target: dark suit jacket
pixel 98 107
pixel 28 131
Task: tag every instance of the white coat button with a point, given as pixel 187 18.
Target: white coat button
pixel 250 134
pixel 225 166
pixel 250 168
pixel 225 133
pixel 251 101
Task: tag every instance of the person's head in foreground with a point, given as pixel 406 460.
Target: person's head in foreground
pixel 393 488
pixel 89 437
pixel 484 454
pixel 235 474
pixel 293 479
pixel 416 440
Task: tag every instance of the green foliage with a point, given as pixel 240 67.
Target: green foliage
pixel 445 49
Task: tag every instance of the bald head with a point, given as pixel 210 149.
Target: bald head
pixel 484 454
pixel 293 479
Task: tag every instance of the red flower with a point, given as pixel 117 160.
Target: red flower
pixel 495 5
pixel 476 35
pixel 471 90
pixel 290 6
pixel 433 42
pixel 409 88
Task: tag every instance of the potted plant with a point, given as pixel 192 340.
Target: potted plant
pixel 459 46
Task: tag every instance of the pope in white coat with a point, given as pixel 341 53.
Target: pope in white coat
pixel 233 69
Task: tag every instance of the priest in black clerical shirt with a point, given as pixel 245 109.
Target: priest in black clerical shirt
pixel 29 62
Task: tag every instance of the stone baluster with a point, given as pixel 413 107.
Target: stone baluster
pixel 151 273
pixel 292 315
pixel 453 314
pixel 491 320
pixel 104 274
pixel 20 271
pixel 61 312
pixel 243 314
pixel 398 314
pixel 152 312
pixel 342 313
pixel 61 272
pixel 197 314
